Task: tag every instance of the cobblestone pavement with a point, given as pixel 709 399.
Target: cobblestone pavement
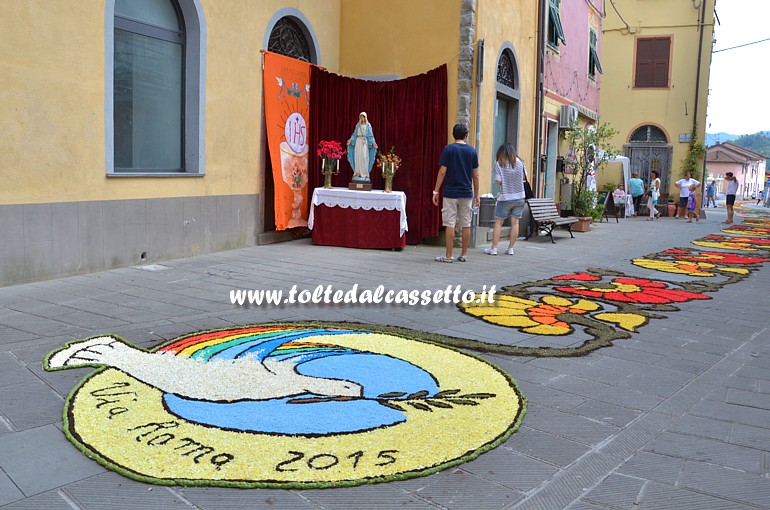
pixel 677 416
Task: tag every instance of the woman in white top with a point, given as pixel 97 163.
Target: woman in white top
pixel 510 174
pixel 684 193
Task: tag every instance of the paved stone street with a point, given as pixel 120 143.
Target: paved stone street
pixel 677 416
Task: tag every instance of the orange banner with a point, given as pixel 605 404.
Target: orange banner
pixel 287 111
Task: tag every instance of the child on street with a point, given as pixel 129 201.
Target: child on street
pixel 692 206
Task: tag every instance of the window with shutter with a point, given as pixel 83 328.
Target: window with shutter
pixel 594 64
pixel 555 28
pixel 661 51
pixel 652 62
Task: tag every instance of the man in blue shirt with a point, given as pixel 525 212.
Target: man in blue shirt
pixel 459 174
pixel 711 193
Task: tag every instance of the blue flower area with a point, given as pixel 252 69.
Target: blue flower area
pixel 377 373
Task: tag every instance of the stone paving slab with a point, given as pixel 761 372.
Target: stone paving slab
pixel 212 498
pixel 676 416
pixel 37 460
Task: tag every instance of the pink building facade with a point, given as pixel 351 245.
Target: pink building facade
pixel 566 74
pixel 749 168
pixel 571 81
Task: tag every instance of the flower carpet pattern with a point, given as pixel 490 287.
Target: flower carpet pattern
pixel 284 406
pixel 608 305
pixel 323 404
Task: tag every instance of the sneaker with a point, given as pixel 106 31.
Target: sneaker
pixel 490 251
pixel 509 251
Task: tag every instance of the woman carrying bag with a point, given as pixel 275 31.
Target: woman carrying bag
pixel 511 175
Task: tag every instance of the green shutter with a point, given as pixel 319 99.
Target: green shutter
pixel 596 60
pixel 555 19
pixel 594 53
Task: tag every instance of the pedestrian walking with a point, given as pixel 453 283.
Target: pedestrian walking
pixel 711 193
pixel 510 174
pixel 654 193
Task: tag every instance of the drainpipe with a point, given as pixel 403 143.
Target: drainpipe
pixel 536 161
pixel 479 79
pixel 701 27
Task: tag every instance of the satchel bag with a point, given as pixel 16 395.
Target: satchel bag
pixel 528 190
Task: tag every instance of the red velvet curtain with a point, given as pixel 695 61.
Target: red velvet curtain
pixel 410 114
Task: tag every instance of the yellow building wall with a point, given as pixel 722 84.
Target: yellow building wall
pixel 671 109
pixel 52 100
pixel 401 38
pixel 52 112
pixel 498 23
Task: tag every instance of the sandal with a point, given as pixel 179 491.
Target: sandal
pixel 462 258
pixel 448 260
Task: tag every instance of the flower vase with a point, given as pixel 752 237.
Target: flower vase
pixel 328 171
pixel 388 183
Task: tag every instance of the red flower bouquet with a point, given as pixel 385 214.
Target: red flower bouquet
pixel 329 149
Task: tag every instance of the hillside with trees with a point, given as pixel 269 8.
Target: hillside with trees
pixel 758 142
pixel 721 137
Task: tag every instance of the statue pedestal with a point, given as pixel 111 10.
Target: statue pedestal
pixel 360 185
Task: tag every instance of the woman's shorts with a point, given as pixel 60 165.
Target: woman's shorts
pixel 512 208
pixel 730 199
pixel 683 201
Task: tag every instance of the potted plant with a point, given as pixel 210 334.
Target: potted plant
pixel 590 149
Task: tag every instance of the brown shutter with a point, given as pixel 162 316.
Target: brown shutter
pixel 661 57
pixel 644 56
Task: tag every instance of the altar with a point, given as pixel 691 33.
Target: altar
pixel 358 219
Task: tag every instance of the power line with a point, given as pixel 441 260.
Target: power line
pixel 741 45
pixel 619 16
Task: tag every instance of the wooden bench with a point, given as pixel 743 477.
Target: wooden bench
pixel 545 218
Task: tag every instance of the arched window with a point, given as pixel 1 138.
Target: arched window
pixel 649 134
pixel 156 55
pixel 288 38
pixel 505 71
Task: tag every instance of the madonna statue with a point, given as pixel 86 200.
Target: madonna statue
pixel 362 149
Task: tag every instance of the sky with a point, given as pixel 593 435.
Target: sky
pixel 739 77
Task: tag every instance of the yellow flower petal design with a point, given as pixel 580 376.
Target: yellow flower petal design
pixel 737 270
pixel 627 321
pixel 544 329
pixel 584 304
pixel 512 321
pixel 557 301
pixel 581 304
pixel 514 302
pixel 671 267
pixel 483 311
